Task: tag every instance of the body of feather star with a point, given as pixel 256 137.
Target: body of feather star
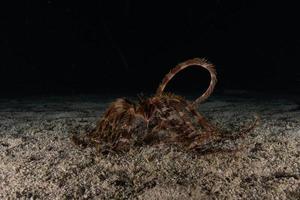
pixel 163 118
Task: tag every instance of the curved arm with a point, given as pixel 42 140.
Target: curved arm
pixel 192 62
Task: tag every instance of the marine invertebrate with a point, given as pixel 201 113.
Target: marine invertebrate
pixel 164 118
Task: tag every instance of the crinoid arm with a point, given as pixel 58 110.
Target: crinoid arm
pixel 200 62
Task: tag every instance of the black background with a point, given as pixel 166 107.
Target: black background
pixel 95 46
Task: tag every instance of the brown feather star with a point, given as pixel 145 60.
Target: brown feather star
pixel 164 118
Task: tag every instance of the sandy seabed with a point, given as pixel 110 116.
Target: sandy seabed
pixel 39 161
